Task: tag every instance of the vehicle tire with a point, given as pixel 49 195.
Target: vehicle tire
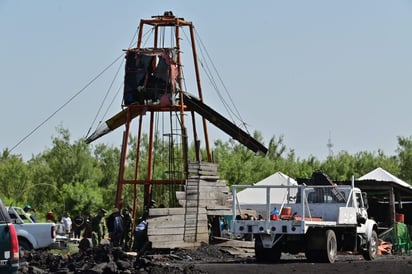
pixel 24 246
pixel 315 242
pixel 266 255
pixel 276 253
pixel 372 247
pixel 331 249
pixel 312 255
pixel 260 252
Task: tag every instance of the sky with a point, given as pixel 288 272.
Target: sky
pixel 309 71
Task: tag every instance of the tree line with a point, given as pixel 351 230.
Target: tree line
pixel 73 176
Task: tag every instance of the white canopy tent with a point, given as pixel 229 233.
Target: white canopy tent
pixel 379 174
pixel 255 198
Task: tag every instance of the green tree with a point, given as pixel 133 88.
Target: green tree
pixel 405 158
pixel 14 177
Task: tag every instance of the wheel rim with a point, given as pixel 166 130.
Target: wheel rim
pixel 331 246
pixel 332 249
pixel 372 247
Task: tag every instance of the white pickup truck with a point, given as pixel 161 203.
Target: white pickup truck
pixel 317 220
pixel 31 235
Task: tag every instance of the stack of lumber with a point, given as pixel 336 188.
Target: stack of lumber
pixel 187 226
pixel 167 227
pixel 204 187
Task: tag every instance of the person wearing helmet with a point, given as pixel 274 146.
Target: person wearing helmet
pixel 30 213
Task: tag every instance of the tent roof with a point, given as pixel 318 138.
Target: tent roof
pixel 258 195
pixel 379 174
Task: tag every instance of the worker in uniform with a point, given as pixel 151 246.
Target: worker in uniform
pixel 115 227
pixel 127 222
pixel 98 227
pixel 140 234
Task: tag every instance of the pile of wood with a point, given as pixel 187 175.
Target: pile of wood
pixel 205 194
pixel 167 227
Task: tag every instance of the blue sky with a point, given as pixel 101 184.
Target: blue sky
pixel 301 69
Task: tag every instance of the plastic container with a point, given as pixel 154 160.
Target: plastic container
pixel 274 214
pixel 286 211
pixel 400 217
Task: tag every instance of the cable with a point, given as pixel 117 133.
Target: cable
pixel 65 104
pixel 237 114
pixel 110 87
pixel 105 97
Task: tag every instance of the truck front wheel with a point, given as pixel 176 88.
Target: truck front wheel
pixel 371 250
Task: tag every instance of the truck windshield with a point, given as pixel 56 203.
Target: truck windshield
pixel 324 195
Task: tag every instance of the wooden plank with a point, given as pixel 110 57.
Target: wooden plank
pixel 202 164
pixel 175 218
pixel 222 189
pixel 218 189
pixel 175 221
pixel 174 238
pixel 175 244
pixel 175 211
pixel 210 177
pixel 195 182
pixel 176 230
pixel 205 186
pixel 199 172
pixel 202 202
pixel 206 195
pixel 203 167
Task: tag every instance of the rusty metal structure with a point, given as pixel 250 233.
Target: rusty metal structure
pixel 153 84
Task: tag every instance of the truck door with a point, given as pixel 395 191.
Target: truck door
pixel 362 214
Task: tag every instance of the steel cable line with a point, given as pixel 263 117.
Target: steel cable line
pixel 110 87
pixel 237 114
pixel 104 98
pixel 65 104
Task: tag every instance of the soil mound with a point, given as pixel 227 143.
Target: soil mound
pixel 107 259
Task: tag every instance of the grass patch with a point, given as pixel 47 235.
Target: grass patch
pixel 70 249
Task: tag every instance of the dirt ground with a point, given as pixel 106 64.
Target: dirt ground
pixel 205 259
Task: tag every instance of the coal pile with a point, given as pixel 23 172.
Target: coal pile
pixel 107 259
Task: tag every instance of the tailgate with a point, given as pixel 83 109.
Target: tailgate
pixel 5 246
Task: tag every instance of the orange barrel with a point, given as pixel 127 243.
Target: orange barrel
pixel 400 217
pixel 286 211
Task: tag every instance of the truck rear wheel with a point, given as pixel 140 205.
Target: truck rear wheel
pixel 24 246
pixel 372 247
pixel 266 255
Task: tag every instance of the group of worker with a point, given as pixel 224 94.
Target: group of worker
pixel 116 227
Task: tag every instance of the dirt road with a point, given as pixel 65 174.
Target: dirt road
pixel 387 264
pixel 205 259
